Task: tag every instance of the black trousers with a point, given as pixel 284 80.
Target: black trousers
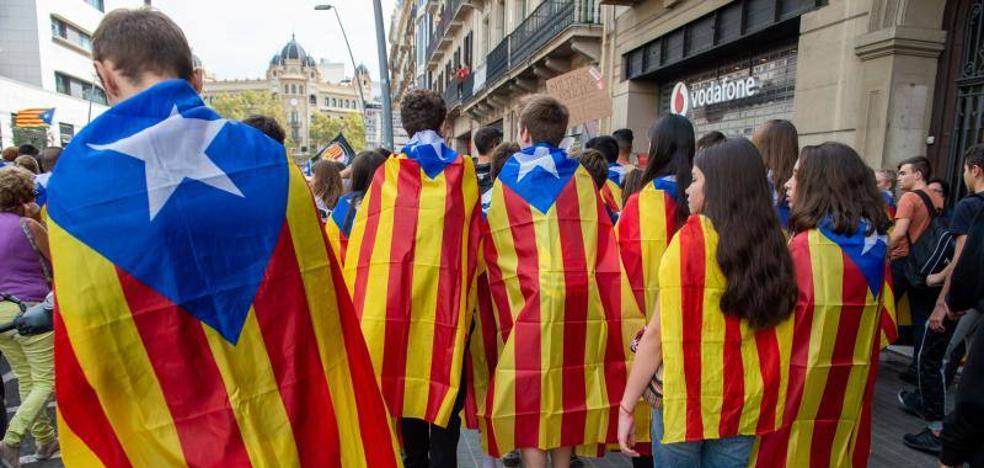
pixel 963 429
pixel 427 445
pixel 921 303
pixel 934 377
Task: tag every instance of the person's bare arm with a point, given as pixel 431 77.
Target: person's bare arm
pixel 899 232
pixel 40 236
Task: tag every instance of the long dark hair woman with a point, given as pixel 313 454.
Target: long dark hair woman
pixel 650 217
pixel 339 224
pixel 716 343
pixel 778 141
pixel 326 184
pixel 839 224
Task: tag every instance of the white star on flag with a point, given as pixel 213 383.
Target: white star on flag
pixel 541 158
pixel 173 150
pixel 431 138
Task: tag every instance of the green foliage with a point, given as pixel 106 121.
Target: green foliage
pixel 241 105
pixel 324 128
pixel 37 136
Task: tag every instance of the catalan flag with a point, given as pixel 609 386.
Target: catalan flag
pixel 483 354
pixel 611 197
pixel 338 227
pixel 411 262
pixel 561 308
pixel 839 323
pixel 201 320
pixel 36 117
pixel 721 378
pixel 644 230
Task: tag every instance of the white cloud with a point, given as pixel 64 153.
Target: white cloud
pixel 237 39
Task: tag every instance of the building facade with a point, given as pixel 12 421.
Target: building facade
pixel 892 78
pixel 296 80
pixel 46 61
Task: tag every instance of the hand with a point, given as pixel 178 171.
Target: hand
pixel 937 317
pixel 626 432
pixel 35 321
pixel 32 210
pixel 935 279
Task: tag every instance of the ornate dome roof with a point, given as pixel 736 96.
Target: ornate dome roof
pixel 292 51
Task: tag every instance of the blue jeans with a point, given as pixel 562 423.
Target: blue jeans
pixel 732 452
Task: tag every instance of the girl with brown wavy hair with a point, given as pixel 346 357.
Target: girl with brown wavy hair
pixel 719 335
pixel 326 183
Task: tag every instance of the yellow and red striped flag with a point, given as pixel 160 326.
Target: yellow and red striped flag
pixel 644 230
pixel 611 196
pixel 721 378
pixel 338 226
pixel 483 354
pixel 839 324
pixel 410 263
pixel 564 314
pixel 200 319
pixel 35 117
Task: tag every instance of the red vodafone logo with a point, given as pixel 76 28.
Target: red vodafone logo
pixel 680 99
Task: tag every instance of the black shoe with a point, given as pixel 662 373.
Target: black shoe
pixel 909 376
pixel 924 441
pixel 576 462
pixel 511 459
pixel 911 403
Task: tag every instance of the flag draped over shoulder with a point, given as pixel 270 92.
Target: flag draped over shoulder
pixel 338 226
pixel 201 320
pixel 720 377
pixel 644 230
pixel 483 353
pixel 411 262
pixel 839 324
pixel 560 305
pixel 611 197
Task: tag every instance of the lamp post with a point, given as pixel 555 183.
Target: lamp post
pixel 355 68
pixel 384 76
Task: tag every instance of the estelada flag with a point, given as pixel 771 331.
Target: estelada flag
pixel 338 226
pixel 411 262
pixel 200 319
pixel 483 354
pixel 36 117
pixel 721 378
pixel 839 321
pixel 644 230
pixel 561 307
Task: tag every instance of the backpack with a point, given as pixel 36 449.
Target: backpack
pixel 933 251
pixel 967 280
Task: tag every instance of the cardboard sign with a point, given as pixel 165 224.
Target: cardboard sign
pixel 583 92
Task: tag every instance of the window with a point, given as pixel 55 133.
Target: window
pixel 78 88
pixel 66 132
pixel 301 87
pixel 293 89
pixel 314 99
pixel 66 32
pixel 469 45
pixel 97 4
pixel 327 102
pixel 334 102
pixel 293 118
pixel 286 89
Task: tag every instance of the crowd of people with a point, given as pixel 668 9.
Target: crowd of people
pixel 715 301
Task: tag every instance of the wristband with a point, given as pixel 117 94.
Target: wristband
pixel 622 408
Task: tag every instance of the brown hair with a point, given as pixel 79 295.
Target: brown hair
pixel 10 153
pixel 778 141
pixel 832 182
pixel 752 253
pixel 364 168
pixel 142 40
pixel 326 182
pixel 710 138
pixel 596 164
pixel 29 163
pixel 545 118
pixel 633 184
pixel 16 188
pixel 919 164
pixel 671 152
pixel 500 155
pixel 422 109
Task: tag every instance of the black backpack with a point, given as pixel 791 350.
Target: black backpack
pixel 933 251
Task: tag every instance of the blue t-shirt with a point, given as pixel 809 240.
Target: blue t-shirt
pixel 963 214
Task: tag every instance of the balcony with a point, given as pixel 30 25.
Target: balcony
pixel 451 20
pixel 452 95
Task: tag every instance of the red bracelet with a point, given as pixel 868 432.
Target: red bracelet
pixel 625 410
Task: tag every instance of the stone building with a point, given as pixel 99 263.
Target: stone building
pixel 296 79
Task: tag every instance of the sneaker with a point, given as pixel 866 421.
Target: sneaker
pixel 576 462
pixel 46 451
pixel 924 441
pixel 511 459
pixel 9 456
pixel 911 403
pixel 909 376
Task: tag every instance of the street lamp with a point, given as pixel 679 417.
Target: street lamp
pixel 355 68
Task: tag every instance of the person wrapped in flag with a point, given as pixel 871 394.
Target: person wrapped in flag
pixel 651 217
pixel 611 190
pixel 718 347
pixel 560 304
pixel 338 226
pixel 411 262
pixel 840 253
pixel 200 318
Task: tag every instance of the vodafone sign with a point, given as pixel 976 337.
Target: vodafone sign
pixel 682 99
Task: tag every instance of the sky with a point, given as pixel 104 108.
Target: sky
pixel 237 39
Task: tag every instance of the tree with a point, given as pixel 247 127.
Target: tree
pixel 324 128
pixel 241 105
